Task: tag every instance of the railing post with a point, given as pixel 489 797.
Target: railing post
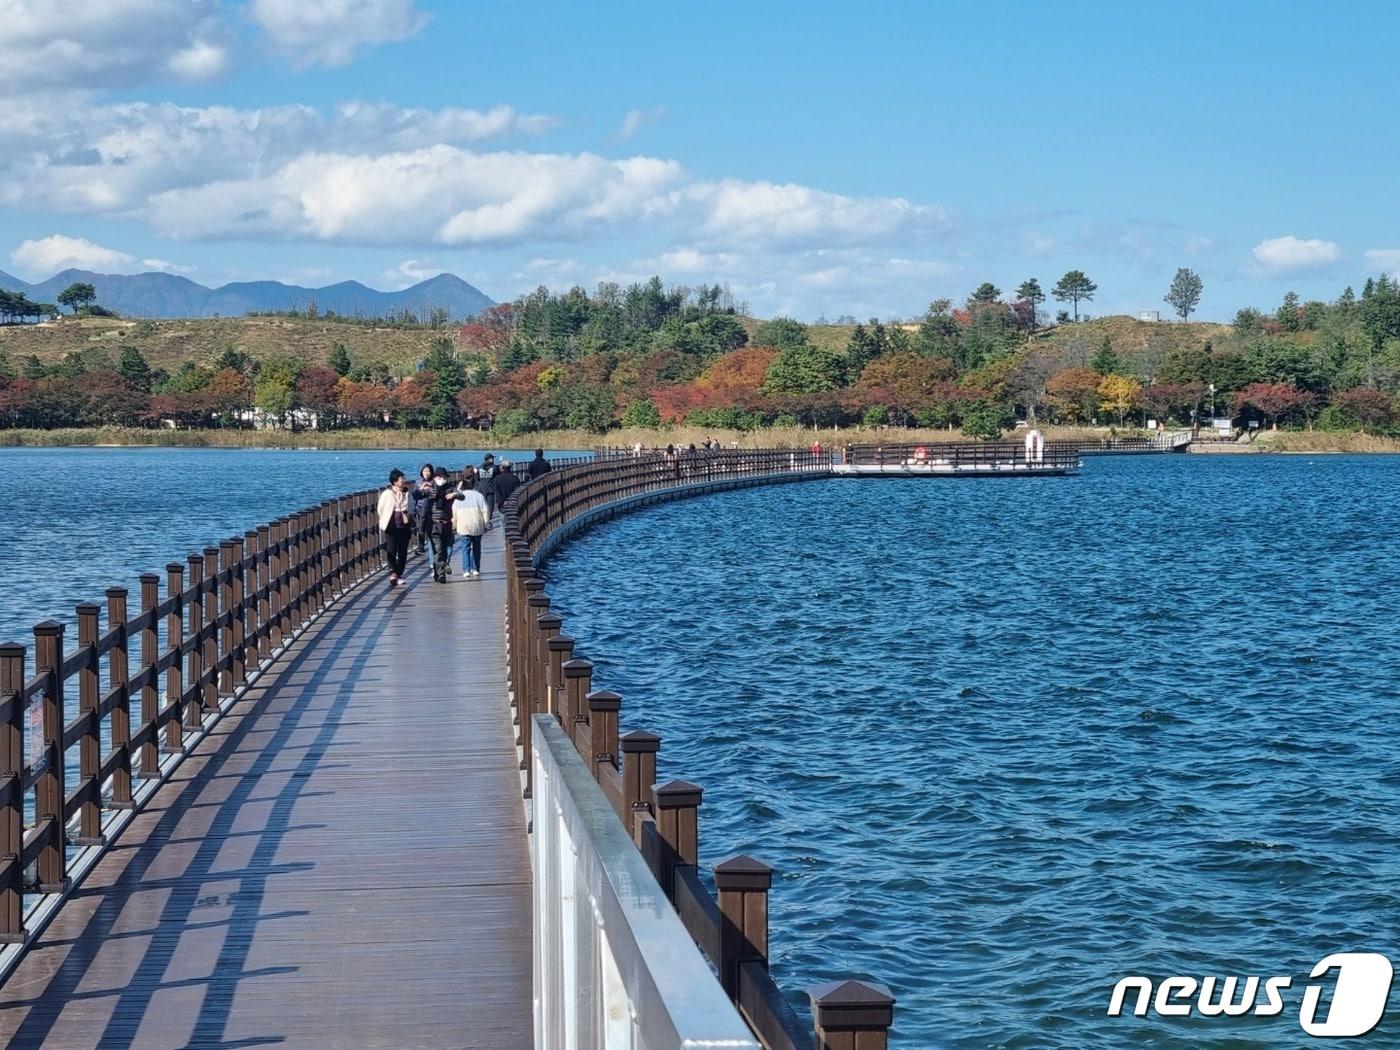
pixel 12 819
pixel 536 605
pixel 194 662
pixel 150 692
pixel 231 609
pixel 561 651
pixel 677 807
pixel 212 601
pixel 264 581
pixel 547 626
pixel 90 740
pixel 578 676
pixel 603 706
pixel 639 749
pixel 118 675
pixel 248 603
pixel 743 884
pixel 174 643
pixel 529 587
pixel 851 1015
pixel 50 792
pixel 277 589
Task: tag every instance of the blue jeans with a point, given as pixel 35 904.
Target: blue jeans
pixel 471 553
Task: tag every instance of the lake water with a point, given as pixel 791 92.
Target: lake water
pixel 85 519
pixel 1005 741
pixel 1008 741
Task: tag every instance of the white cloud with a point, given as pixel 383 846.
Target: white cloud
pixel 636 119
pixel 410 272
pixel 791 214
pixel 330 32
pixel 1291 254
pixel 1385 259
pixel 202 60
pixel 65 44
pixel 42 257
pixel 114 159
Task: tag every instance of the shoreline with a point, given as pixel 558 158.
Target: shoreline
pixel 1271 443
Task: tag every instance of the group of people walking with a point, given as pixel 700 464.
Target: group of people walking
pixel 436 511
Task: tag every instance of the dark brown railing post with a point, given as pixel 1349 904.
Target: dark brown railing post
pixel 266 538
pixel 277 590
pixel 530 585
pixel 639 749
pixel 194 662
pixel 561 651
pixel 118 675
pixel 676 804
pixel 603 706
pixel 150 692
pixel 12 819
pixel 174 643
pixel 230 647
pixel 743 884
pixel 248 602
pixel 90 739
pixel 536 605
pixel 578 677
pixel 851 1015
pixel 49 791
pixel 212 595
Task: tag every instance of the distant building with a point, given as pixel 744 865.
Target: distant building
pixel 1150 315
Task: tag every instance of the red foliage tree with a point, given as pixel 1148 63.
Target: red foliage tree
pixel 1372 408
pixel 1274 400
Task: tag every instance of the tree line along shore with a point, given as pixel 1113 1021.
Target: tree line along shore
pixel 551 368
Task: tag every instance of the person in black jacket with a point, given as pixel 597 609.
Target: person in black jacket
pixel 421 523
pixel 439 514
pixel 505 483
pixel 486 482
pixel 538 466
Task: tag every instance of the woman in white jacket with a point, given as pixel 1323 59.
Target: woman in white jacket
pixel 395 524
pixel 471 518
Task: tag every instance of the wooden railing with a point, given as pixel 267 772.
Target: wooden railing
pixel 549 677
pixel 213 631
pixel 1053 455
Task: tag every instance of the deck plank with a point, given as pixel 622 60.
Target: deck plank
pixel 343 863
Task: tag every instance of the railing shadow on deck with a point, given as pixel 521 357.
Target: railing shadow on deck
pixel 212 640
pixel 586 986
pixel 227 971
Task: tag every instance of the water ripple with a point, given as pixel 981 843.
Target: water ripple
pixel 1008 742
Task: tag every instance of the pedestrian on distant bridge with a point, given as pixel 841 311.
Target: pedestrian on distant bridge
pixel 505 483
pixel 539 466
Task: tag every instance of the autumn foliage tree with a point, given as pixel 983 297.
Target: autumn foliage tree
pixel 1274 400
pixel 1073 394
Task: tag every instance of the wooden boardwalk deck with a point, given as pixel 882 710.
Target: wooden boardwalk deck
pixel 343 863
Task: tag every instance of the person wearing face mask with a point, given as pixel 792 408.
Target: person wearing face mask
pixel 421 491
pixel 439 513
pixel 395 524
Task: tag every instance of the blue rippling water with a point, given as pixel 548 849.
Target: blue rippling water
pixel 85 519
pixel 1007 741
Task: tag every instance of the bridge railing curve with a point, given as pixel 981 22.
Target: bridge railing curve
pixel 556 700
pixel 69 783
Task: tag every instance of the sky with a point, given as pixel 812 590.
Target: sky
pixel 822 159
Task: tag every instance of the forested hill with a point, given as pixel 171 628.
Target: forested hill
pixel 169 295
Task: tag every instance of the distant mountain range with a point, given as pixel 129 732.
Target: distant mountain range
pixel 169 295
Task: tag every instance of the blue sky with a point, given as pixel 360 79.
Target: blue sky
pixel 820 158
